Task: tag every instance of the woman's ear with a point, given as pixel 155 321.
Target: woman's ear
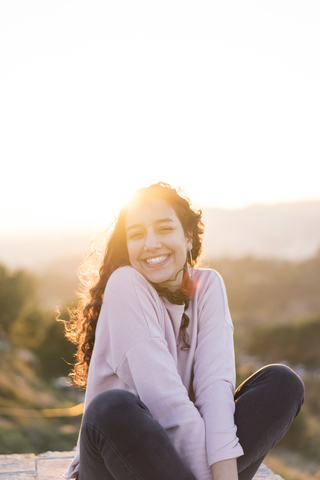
pixel 189 241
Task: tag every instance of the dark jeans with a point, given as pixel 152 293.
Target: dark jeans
pixel 121 441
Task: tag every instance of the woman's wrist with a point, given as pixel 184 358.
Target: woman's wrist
pixel 225 470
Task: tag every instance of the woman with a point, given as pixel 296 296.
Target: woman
pixel 155 350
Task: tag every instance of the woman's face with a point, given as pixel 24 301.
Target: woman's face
pixel 157 244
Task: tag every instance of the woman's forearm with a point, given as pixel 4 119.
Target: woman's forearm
pixel 225 470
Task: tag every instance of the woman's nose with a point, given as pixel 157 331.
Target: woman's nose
pixel 152 242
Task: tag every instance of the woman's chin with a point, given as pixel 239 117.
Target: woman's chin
pixel 156 277
pixel 161 276
pixel 168 281
pixel 159 279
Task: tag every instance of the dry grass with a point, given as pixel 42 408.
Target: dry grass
pixel 292 466
pixel 20 384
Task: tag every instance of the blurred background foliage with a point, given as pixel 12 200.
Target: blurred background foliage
pixel 275 305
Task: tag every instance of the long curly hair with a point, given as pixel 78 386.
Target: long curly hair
pixel 81 327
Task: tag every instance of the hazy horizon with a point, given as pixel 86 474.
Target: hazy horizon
pixel 286 230
pixel 93 227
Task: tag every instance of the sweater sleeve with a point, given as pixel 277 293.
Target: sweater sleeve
pixel 214 371
pixel 139 355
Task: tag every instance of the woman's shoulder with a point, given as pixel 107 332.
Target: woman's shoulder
pixel 127 279
pixel 211 295
pixel 129 296
pixel 208 282
pixel 127 274
pixel 203 276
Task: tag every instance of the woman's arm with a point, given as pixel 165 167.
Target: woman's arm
pixel 214 370
pixel 225 470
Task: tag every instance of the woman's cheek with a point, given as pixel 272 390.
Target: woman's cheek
pixel 133 250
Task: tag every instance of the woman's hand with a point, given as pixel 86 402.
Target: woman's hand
pixel 225 470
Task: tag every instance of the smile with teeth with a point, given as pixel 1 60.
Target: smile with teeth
pixel 155 260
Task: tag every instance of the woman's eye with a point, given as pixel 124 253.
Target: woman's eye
pixel 165 229
pixel 135 235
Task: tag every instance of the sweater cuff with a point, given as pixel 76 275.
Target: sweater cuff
pixel 224 454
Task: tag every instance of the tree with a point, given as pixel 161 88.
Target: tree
pixel 17 289
pixel 296 343
pixel 56 353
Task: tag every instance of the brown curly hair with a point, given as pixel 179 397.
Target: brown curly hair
pixel 81 327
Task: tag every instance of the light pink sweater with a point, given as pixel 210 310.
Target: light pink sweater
pixel 136 349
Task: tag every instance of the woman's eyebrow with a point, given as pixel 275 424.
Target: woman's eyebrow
pixel 161 220
pixel 164 220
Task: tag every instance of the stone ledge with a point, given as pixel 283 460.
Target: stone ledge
pixel 51 466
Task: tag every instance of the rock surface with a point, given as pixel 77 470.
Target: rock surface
pixel 51 466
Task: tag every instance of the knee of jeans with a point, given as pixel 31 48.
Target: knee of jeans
pixel 110 404
pixel 285 378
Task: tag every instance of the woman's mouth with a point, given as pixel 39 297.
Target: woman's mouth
pixel 157 260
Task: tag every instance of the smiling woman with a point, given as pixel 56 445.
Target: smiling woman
pixel 155 350
pixel 156 242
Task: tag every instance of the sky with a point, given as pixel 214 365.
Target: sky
pixel 98 98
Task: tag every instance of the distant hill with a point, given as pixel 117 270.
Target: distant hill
pixel 40 251
pixel 287 231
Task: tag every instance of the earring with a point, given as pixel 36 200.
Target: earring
pixel 190 269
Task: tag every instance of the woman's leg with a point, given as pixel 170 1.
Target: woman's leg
pixel 266 404
pixel 120 440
